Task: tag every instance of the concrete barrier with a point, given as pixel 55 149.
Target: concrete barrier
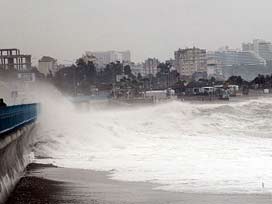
pixel 16 139
pixel 15 155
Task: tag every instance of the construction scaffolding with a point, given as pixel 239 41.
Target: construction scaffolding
pixel 11 59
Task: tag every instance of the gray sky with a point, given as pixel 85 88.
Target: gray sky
pixel 149 28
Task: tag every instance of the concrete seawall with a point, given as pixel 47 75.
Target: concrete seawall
pixel 15 155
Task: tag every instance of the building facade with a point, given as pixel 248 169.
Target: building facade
pixel 151 66
pixel 214 69
pixel 236 57
pixel 47 65
pixel 261 48
pixel 191 60
pixel 104 58
pixel 13 59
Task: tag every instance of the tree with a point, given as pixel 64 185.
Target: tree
pixel 80 62
pixel 139 77
pixel 127 70
pixel 213 80
pixel 237 80
pixel 77 78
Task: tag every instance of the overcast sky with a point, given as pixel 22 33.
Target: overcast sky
pixel 65 29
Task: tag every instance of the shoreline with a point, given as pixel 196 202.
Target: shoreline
pixel 50 184
pixel 194 100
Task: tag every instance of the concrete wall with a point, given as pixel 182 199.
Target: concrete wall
pixel 15 155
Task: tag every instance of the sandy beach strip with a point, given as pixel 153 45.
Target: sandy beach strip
pixel 48 184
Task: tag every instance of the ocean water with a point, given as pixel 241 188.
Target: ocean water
pixel 214 148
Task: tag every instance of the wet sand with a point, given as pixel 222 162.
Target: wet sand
pixel 48 184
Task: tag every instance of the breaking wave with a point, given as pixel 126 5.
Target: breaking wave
pixel 181 146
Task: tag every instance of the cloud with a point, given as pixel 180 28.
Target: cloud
pixel 149 28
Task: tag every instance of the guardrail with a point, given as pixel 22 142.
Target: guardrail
pixel 13 117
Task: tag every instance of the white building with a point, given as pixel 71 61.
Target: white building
pixel 104 58
pixel 214 69
pixel 190 60
pixel 151 66
pixel 47 64
pixel 235 57
pixel 261 48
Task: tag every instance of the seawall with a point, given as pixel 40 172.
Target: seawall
pixel 16 138
pixel 15 155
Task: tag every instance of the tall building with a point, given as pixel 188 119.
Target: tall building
pixel 104 58
pixel 261 48
pixel 214 68
pixel 47 64
pixel 191 60
pixel 235 57
pixel 151 66
pixel 246 63
pixel 13 59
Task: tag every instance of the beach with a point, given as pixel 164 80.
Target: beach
pixel 50 184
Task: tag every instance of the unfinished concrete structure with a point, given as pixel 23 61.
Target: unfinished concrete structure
pixel 12 59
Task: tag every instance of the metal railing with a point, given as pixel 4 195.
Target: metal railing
pixel 13 117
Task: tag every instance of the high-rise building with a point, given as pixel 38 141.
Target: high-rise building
pixel 151 66
pixel 236 57
pixel 191 60
pixel 246 63
pixel 261 48
pixel 214 68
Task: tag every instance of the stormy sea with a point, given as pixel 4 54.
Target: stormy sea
pixel 176 147
pixel 184 147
